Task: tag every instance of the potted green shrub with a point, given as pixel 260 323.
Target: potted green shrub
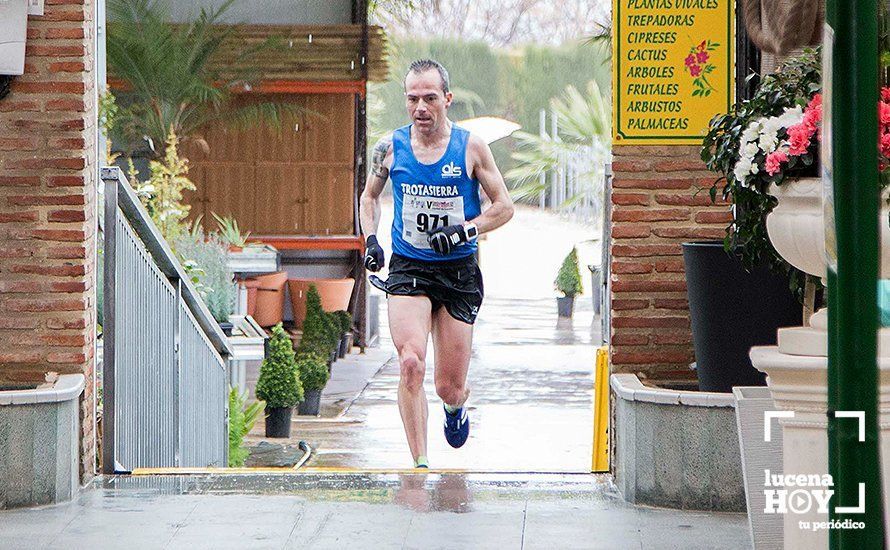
pixel 279 383
pixel 333 335
pixel 320 333
pixel 568 281
pixel 242 418
pixel 314 375
pixel 344 319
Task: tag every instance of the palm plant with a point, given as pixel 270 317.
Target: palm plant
pixel 467 99
pixel 230 232
pixel 172 85
pixel 603 39
pixel 583 141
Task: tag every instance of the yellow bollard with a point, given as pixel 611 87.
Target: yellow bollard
pixel 600 462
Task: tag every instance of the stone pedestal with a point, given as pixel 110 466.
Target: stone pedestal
pixel 39 432
pixel 800 384
pixel 797 369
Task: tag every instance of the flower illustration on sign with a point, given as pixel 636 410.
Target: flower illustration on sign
pixel 698 64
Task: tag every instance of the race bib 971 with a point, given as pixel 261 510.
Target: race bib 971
pixel 421 215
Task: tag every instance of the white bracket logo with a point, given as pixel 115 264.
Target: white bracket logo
pixel 782 497
pixel 768 422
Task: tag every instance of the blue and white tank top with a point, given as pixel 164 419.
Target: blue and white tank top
pixel 430 196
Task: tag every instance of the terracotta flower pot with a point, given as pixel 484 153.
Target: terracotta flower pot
pixel 270 299
pixel 334 293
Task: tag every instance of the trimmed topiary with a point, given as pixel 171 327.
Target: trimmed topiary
pixel 568 280
pixel 332 330
pixel 344 318
pixel 318 327
pixel 279 384
pixel 314 373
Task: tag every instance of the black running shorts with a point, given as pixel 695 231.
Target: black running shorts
pixel 454 284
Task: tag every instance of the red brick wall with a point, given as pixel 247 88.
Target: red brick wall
pixel 47 209
pixel 659 200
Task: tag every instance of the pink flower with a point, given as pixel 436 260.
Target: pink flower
pixel 885 145
pixel 701 47
pixel 774 162
pixel 799 139
pixel 884 113
pixel 702 57
pixel 885 93
pixel 690 60
pixel 812 118
pixel 816 102
pixel 695 70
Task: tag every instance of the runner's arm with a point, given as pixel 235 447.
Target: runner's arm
pixel 369 204
pixel 486 171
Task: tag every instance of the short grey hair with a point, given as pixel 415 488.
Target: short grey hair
pixel 423 65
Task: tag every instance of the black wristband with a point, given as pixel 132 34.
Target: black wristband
pixel 371 240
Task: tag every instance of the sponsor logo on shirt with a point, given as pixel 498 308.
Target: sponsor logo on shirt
pixel 451 170
pixel 430 190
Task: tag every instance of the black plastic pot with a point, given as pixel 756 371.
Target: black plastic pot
pixel 732 310
pixel 565 306
pixel 311 402
pixel 226 328
pixel 278 421
pixel 344 346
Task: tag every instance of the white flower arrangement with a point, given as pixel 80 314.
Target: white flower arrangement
pixel 762 137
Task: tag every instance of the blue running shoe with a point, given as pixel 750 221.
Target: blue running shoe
pixel 457 427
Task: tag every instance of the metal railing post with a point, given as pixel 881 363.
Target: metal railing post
pixel 177 376
pixel 542 178
pixel 109 177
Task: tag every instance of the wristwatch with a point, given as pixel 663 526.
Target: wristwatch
pixel 472 231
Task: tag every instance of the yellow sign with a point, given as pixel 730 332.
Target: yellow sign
pixel 673 69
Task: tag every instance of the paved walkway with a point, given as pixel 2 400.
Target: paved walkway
pixel 531 404
pixel 452 512
pixel 531 374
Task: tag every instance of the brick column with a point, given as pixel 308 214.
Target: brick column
pixel 48 209
pixel 660 199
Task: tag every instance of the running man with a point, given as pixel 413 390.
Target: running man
pixel 434 285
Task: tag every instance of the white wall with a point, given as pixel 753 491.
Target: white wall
pixel 273 12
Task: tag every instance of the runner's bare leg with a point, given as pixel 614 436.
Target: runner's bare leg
pixel 409 324
pixel 453 344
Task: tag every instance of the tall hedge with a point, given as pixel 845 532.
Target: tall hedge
pixel 515 83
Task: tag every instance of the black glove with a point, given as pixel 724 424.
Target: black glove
pixel 446 239
pixel 374 258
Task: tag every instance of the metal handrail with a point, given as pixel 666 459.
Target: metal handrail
pixel 166 261
pixel 172 352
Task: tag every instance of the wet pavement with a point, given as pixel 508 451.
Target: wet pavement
pixel 422 511
pixel 531 378
pixel 531 374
